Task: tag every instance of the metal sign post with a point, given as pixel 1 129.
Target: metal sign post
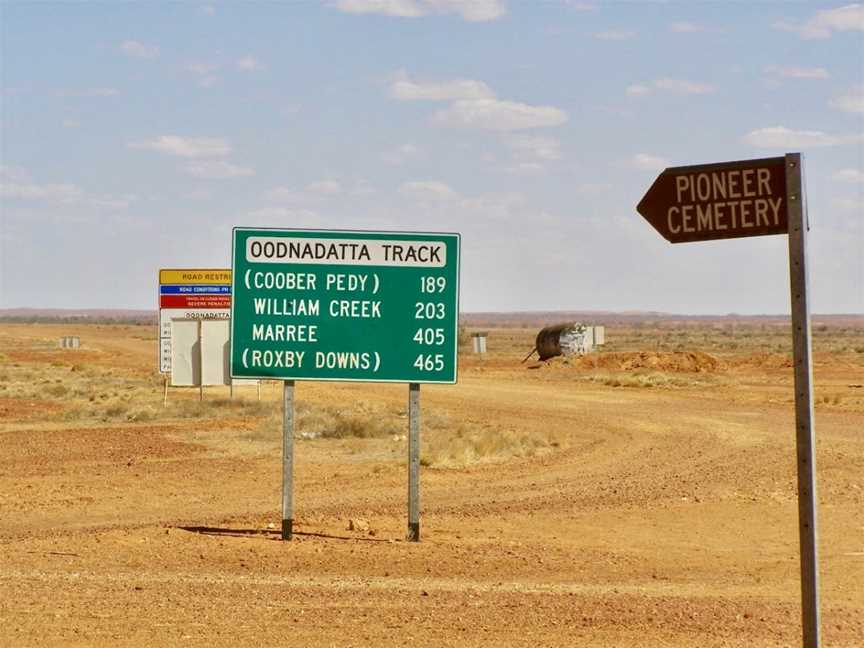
pixel 805 437
pixel 414 462
pixel 287 459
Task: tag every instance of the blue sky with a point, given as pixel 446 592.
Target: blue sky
pixel 135 136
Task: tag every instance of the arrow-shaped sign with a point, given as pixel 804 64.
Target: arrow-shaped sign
pixel 718 201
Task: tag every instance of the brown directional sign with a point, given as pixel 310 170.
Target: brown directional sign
pixel 718 201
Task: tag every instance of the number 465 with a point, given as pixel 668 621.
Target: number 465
pixel 429 362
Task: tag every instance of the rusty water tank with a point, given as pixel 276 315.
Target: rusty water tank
pixel 560 339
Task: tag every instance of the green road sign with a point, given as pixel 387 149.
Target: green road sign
pixel 344 305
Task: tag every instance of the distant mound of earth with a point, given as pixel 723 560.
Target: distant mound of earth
pixel 672 361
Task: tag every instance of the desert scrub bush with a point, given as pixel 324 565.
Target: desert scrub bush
pixel 313 421
pixel 57 391
pixel 210 407
pixel 115 411
pixel 360 426
pixel 647 380
pixel 466 444
pixel 141 415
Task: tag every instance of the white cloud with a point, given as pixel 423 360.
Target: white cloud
pixel 89 92
pixel 848 204
pixel 427 191
pixel 325 187
pixel 849 175
pixel 285 195
pixel 249 63
pixel 470 10
pixel 527 148
pixel 404 89
pixel 589 188
pixel 682 86
pixel 677 86
pixel 201 68
pixel 637 89
pixel 785 138
pixel 827 21
pixel 474 105
pixel 648 162
pixel 498 115
pixel 198 195
pixel 139 50
pixel 316 192
pixel 525 168
pixel 217 170
pixel 685 28
pixel 362 187
pixel 852 101
pixel 798 72
pixel 401 154
pixel 615 35
pixel 205 71
pixel 281 217
pixel 111 202
pixel 191 147
pixel 13 173
pixel 71 123
pixel 54 193
pixel 17 185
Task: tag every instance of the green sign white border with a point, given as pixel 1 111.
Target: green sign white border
pixel 310 230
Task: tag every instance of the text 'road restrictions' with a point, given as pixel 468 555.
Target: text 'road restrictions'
pixel 718 201
pixel 337 305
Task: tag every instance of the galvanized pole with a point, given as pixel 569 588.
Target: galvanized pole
pixel 287 459
pixel 796 205
pixel 414 462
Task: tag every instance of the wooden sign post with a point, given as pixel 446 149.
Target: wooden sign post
pixel 756 198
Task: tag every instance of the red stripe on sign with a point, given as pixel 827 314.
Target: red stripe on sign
pixel 195 301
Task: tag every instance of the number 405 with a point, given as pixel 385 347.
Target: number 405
pixel 429 336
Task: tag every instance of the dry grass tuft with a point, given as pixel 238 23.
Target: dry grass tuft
pixel 321 422
pixel 449 445
pixel 649 380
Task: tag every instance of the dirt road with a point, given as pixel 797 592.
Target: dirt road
pixel 653 517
